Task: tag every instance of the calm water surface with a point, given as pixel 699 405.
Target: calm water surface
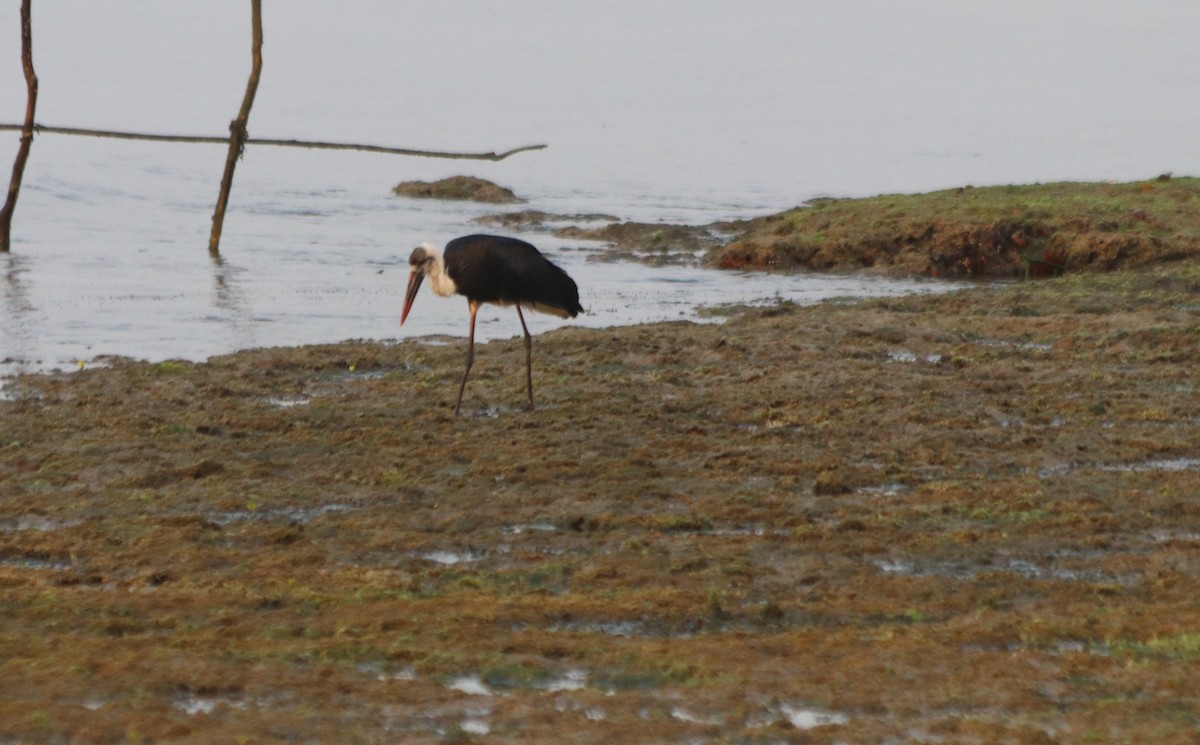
pixel 666 111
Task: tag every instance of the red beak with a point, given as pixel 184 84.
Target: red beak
pixel 414 284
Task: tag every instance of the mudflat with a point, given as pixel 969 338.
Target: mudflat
pixel 969 517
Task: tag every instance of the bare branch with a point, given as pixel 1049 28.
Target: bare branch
pixel 237 129
pixel 396 150
pixel 310 144
pixel 31 85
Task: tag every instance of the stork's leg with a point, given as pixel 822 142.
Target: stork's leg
pixel 474 306
pixel 528 357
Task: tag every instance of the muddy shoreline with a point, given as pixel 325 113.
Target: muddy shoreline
pixel 963 517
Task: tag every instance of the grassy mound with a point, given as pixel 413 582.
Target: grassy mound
pixel 992 231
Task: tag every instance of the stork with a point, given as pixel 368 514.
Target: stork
pixel 498 270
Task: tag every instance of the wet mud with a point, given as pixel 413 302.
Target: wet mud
pixel 969 517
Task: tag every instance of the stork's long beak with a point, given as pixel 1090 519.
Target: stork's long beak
pixel 414 284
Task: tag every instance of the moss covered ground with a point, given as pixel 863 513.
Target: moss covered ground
pixel 969 517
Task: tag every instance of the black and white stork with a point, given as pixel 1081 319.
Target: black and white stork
pixel 498 270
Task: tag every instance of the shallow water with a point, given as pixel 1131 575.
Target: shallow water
pixel 653 112
pixel 66 308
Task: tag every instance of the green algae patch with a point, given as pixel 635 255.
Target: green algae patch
pixel 919 518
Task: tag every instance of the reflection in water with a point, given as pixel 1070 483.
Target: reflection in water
pixel 19 345
pixel 229 297
pixel 226 295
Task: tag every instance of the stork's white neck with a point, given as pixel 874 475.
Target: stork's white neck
pixel 435 272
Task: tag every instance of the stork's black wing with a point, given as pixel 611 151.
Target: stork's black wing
pixel 497 269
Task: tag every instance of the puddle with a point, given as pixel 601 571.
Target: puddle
pixel 376 669
pixel 605 628
pixel 1069 646
pixel 471 685
pixel 37 523
pixel 291 515
pixel 1056 647
pixel 528 528
pixel 1055 469
pixel 686 628
pixel 883 490
pixel 895 566
pixel 804 718
pixel 1170 536
pixel 1031 570
pixel 353 374
pixel 450 558
pixel 1170 464
pixel 475 685
pixel 38 565
pixel 572 680
pixel 750 530
pixel 902 355
pixel 1033 346
pixel 1041 569
pixel 193 705
pixel 288 402
pixel 684 715
pixel 1165 465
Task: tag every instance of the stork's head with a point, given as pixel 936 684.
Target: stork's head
pixel 423 260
